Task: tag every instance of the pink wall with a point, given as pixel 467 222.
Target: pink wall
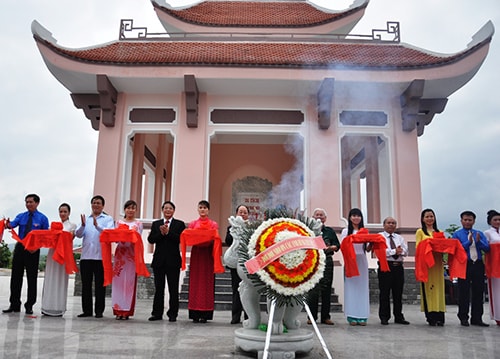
pixel 229 162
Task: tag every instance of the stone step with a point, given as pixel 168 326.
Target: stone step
pixel 227 295
pixel 223 294
pixel 145 289
pixel 227 305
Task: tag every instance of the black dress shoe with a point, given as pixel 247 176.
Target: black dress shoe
pixel 464 323
pixel 84 315
pixel 402 321
pixel 29 311
pixel 384 322
pixel 172 319
pixel 480 324
pixel 154 317
pixel 99 315
pixel 11 310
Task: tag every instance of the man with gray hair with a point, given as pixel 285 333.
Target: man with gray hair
pixel 324 287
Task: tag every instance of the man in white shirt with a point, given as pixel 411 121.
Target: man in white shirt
pixel 393 280
pixel 91 268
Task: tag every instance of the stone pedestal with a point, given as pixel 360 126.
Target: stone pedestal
pixel 283 346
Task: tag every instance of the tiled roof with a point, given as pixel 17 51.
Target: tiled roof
pixel 277 14
pixel 258 54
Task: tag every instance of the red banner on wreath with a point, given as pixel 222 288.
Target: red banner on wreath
pixel 281 248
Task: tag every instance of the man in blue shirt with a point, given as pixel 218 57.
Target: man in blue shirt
pixel 21 259
pixel 471 289
pixel 91 268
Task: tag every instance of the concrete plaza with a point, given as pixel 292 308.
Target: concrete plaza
pixel 39 336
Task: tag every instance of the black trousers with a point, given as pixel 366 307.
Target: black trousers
pixel 471 292
pixel 324 290
pixel 237 307
pixel 391 282
pixel 172 275
pixel 92 271
pixel 432 317
pixel 23 259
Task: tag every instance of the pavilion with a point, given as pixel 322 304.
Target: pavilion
pixel 262 103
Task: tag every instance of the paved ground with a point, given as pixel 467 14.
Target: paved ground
pixel 24 336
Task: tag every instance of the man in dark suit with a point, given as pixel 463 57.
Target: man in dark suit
pixel 165 235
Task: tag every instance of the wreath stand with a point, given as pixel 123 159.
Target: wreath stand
pixel 269 325
pixel 275 342
pixel 283 346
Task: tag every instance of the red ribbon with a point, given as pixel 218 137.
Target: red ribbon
pixel 2 227
pixel 493 261
pixel 424 258
pixel 281 248
pixel 55 237
pixel 192 237
pixel 379 247
pixel 122 234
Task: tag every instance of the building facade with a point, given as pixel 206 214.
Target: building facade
pixel 264 103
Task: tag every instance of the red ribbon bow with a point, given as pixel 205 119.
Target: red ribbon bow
pixel 122 234
pixel 362 236
pixel 424 256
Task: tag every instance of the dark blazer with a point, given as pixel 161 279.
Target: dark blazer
pixel 167 251
pixel 330 239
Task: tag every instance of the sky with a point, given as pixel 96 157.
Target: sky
pixel 48 147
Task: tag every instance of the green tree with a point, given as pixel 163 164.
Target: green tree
pixel 5 255
pixel 449 233
pixel 451 229
pixel 42 263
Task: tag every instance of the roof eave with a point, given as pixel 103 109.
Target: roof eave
pixel 442 80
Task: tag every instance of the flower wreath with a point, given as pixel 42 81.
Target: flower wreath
pixel 289 278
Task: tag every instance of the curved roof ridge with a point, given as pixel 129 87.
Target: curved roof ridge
pixel 487 30
pixel 180 7
pixel 354 5
pixel 39 31
pixel 485 33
